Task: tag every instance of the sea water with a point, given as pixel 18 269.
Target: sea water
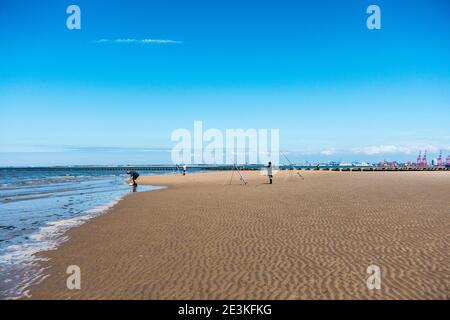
pixel 37 207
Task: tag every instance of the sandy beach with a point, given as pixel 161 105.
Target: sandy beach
pixel 202 238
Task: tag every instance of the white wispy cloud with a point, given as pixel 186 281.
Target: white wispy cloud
pixel 382 149
pixel 328 152
pixel 393 149
pixel 159 41
pixel 144 41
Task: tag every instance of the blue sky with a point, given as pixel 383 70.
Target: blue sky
pixel 336 90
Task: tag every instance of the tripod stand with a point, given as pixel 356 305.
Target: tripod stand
pixel 241 178
pixel 292 166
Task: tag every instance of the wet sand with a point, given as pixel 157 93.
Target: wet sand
pixel 202 238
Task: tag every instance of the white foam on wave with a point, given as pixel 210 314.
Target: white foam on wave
pixel 23 258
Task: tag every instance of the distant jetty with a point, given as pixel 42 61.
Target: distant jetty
pixel 199 167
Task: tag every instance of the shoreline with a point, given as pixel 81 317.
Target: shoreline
pixel 51 237
pixel 201 238
pixel 20 260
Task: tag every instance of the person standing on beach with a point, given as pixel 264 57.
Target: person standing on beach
pixel 133 176
pixel 184 169
pixel 269 172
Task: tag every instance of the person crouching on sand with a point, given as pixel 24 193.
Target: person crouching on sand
pixel 269 172
pixel 133 176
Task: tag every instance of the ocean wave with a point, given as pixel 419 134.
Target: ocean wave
pixel 37 208
pixel 22 259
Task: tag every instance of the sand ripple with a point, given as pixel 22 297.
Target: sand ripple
pixel 296 239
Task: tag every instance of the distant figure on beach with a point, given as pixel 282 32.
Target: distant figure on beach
pixel 269 172
pixel 133 176
pixel 184 169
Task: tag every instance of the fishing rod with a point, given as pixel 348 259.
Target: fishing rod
pixel 235 168
pixel 292 166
